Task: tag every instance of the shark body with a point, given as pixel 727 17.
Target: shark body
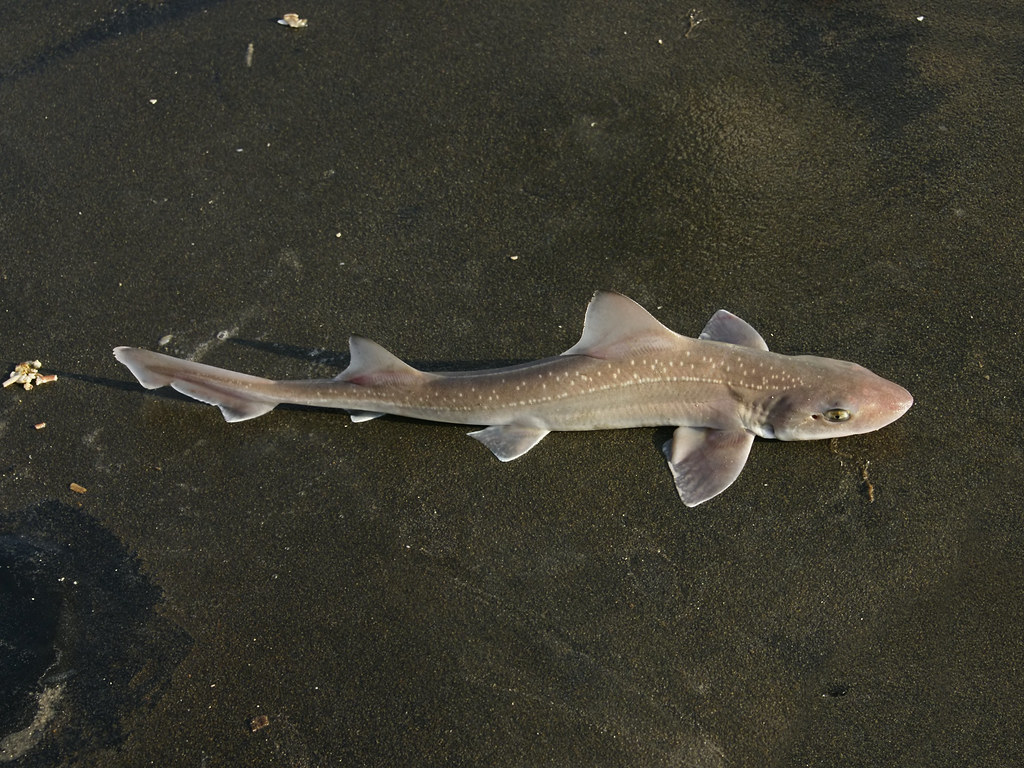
pixel 719 391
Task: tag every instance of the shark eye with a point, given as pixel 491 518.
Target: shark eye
pixel 837 414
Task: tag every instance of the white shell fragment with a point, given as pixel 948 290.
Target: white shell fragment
pixel 27 374
pixel 292 20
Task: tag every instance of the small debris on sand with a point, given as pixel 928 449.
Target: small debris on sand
pixel 292 20
pixel 27 374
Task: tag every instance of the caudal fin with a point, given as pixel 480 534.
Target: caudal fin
pixel 238 395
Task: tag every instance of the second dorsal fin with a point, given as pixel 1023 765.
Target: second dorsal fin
pixel 725 326
pixel 617 326
pixel 371 364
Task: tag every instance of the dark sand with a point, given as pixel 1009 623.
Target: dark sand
pixel 454 180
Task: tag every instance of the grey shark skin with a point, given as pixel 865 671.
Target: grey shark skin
pixel 628 370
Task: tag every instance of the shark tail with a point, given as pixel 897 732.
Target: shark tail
pixel 238 395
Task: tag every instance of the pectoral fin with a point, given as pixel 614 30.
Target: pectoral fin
pixel 704 462
pixel 509 441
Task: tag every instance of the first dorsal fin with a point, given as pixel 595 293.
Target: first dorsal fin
pixel 371 364
pixel 725 326
pixel 616 326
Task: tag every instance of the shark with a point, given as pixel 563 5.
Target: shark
pixel 719 391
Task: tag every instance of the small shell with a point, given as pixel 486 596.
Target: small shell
pixel 27 374
pixel 292 20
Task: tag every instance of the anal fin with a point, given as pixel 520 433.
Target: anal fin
pixel 360 416
pixel 510 441
pixel 704 462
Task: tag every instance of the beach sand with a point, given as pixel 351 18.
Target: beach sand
pixel 454 181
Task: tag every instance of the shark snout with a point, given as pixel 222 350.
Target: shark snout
pixel 893 402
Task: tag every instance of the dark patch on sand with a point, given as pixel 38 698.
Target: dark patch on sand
pixel 81 643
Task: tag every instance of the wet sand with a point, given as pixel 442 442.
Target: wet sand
pixel 454 182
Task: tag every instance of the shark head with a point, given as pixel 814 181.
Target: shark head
pixel 844 399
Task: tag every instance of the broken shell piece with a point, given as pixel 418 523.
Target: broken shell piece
pixel 23 373
pixel 27 374
pixel 292 20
